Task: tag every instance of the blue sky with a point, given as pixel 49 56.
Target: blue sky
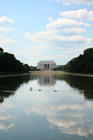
pixel 46 29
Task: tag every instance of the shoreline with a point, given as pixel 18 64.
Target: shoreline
pixel 84 75
pixel 22 74
pixel 51 73
pixel 75 74
pixel 60 73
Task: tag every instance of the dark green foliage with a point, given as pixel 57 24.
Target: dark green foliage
pixel 26 67
pixel 1 50
pixel 9 64
pixel 32 68
pixel 81 64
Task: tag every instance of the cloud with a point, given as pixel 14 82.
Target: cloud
pixel 68 116
pixel 4 29
pixel 69 2
pixel 62 30
pixel 86 24
pixel 50 19
pixel 6 126
pixel 83 130
pixel 5 21
pixel 5 117
pixel 4 41
pixel 62 33
pixel 2 36
pixel 62 116
pixel 63 23
pixel 81 14
pixel 5 121
pixel 9 105
pixel 61 26
pixel 50 36
pixel 33 50
pixel 80 50
pixel 8 42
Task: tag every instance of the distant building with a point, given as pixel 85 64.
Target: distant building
pixel 46 65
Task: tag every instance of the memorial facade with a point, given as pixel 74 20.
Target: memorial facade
pixel 46 65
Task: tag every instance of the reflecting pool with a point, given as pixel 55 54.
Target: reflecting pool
pixel 50 107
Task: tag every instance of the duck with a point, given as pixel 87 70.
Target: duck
pixel 55 90
pixel 39 90
pixel 30 88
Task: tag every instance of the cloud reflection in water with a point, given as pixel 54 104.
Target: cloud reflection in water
pixel 66 110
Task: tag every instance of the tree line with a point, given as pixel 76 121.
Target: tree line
pixel 9 64
pixel 81 64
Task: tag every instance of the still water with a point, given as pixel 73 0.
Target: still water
pixel 56 108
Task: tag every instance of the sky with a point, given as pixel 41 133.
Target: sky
pixel 38 30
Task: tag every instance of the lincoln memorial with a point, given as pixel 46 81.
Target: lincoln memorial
pixel 46 65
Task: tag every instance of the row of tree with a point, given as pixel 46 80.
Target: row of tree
pixel 9 64
pixel 81 64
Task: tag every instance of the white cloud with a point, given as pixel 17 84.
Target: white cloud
pixel 62 30
pixel 9 105
pixel 80 50
pixel 4 41
pixel 53 57
pixel 34 50
pixel 63 23
pixel 86 24
pixel 74 30
pixel 4 29
pixel 60 34
pixel 68 117
pixel 2 36
pixel 5 121
pixel 83 130
pixel 81 14
pixel 5 117
pixel 68 2
pixel 75 38
pixel 50 19
pixel 8 42
pixel 50 36
pixel 5 21
pixel 6 126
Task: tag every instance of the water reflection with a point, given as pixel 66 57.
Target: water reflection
pixel 9 85
pixel 65 113
pixel 46 80
pixel 5 122
pixel 29 113
pixel 83 84
pixel 66 109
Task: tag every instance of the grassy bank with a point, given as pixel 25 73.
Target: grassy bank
pixel 76 74
pixel 34 72
pixel 46 73
pixel 12 75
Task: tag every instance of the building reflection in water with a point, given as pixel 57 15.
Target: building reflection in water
pixel 46 80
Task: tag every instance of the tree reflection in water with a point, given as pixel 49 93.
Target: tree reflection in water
pixel 83 84
pixel 66 112
pixel 8 85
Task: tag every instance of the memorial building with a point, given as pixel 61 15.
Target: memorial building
pixel 46 65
